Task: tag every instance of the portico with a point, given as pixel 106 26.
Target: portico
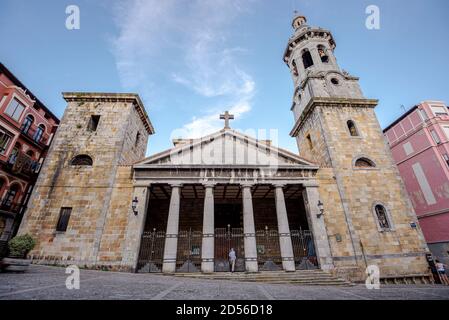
pixel 204 209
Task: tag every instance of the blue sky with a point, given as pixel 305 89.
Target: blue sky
pixel 190 60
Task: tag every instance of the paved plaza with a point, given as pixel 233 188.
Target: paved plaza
pixel 42 282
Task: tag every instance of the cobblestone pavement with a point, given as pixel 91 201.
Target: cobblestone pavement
pixel 49 283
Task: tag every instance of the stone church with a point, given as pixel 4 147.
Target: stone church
pixel 339 205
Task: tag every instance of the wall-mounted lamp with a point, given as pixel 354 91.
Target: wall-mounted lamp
pixel 321 207
pixel 134 206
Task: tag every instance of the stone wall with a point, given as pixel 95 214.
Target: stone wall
pixel 99 195
pixel 349 194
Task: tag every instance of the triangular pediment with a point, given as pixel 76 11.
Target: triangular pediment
pixel 225 148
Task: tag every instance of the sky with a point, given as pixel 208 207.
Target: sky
pixel 190 60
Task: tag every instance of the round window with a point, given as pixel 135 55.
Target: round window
pixel 335 81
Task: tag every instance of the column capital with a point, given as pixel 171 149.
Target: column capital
pixel 278 185
pixel 246 184
pixel 209 184
pixel 176 185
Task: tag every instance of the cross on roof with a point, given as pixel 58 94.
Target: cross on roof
pixel 226 117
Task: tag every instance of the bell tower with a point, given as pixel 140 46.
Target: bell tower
pixel 367 210
pixel 314 68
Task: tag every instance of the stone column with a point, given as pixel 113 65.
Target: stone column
pixel 249 230
pixel 171 237
pixel 207 247
pixel 318 227
pixel 285 240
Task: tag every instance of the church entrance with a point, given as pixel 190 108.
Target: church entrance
pixel 228 228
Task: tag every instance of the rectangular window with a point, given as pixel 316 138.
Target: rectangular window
pixel 423 114
pixel 435 137
pixel 15 109
pixel 408 148
pixel 446 131
pixel 446 158
pixel 309 141
pixel 93 123
pixel 64 217
pixel 4 141
pixel 424 184
pixel 439 110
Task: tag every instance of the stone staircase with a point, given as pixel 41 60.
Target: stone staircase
pixel 300 277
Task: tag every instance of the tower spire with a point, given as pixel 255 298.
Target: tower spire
pixel 298 20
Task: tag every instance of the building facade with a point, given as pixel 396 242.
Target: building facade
pixel 340 205
pixel 26 129
pixel 419 141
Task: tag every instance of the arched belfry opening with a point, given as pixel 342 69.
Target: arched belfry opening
pixel 307 59
pixel 322 52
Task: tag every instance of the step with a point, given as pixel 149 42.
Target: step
pixel 302 277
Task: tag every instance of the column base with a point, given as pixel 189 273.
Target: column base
pixel 208 267
pixel 289 266
pixel 169 267
pixel 251 266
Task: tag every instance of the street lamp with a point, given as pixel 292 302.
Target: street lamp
pixel 321 207
pixel 134 206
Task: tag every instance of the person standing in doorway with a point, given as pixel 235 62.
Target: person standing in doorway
pixel 232 258
pixel 442 272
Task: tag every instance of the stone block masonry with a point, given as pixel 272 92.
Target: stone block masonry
pixel 99 195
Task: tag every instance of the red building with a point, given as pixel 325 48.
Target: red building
pixel 419 142
pixel 26 130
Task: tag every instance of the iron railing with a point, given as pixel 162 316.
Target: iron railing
pixel 190 242
pixel 268 250
pixel 36 134
pixel 151 253
pixel 304 250
pixel 189 251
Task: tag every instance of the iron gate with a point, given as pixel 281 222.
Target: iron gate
pixel 151 251
pixel 304 250
pixel 225 239
pixel 268 250
pixel 189 251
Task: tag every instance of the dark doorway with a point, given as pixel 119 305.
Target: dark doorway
pixel 228 227
pixel 228 214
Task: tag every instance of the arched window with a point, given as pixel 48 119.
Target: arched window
pixel 295 68
pixel 27 123
pixel 14 153
pixel 11 195
pixel 307 58
pixel 2 184
pixel 364 163
pixel 382 217
pixel 352 128
pixel 323 53
pixel 82 160
pixel 39 133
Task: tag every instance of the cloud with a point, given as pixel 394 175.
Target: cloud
pixel 161 44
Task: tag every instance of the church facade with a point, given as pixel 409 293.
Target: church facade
pixel 338 205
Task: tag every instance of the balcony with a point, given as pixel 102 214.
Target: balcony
pixel 35 134
pixel 11 207
pixel 22 164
